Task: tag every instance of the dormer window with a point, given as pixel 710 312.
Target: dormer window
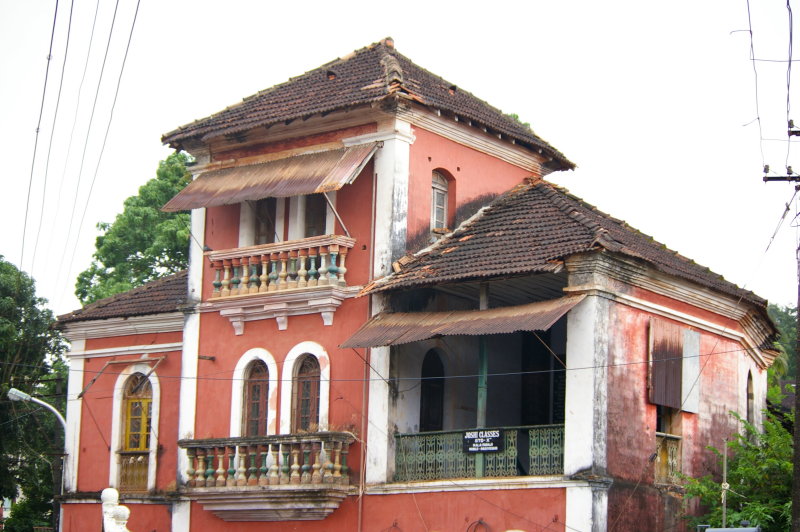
pixel 438 202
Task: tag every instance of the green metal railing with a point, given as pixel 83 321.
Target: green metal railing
pixel 530 450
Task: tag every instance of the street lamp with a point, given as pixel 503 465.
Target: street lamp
pixel 17 395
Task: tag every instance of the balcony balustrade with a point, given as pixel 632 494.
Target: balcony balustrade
pixel 278 280
pixel 668 460
pixel 527 451
pixel 133 471
pixel 269 478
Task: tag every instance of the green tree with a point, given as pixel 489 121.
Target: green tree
pixel 143 243
pixel 30 351
pixel 760 478
pixel 786 320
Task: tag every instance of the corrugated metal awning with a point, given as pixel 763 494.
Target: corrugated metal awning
pixel 392 328
pixel 309 173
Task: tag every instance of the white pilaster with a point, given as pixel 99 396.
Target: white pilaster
pixel 72 439
pixel 181 516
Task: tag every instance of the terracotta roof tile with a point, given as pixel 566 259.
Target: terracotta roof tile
pixel 163 295
pixel 371 74
pixel 531 229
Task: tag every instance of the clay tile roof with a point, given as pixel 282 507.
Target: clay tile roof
pixel 371 74
pixel 163 295
pixel 531 229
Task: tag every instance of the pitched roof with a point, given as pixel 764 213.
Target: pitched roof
pixel 531 229
pixel 163 295
pixel 371 74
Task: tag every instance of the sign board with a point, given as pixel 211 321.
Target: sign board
pixel 483 441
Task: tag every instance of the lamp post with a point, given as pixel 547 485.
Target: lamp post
pixel 18 395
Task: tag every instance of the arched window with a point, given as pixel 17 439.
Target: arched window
pixel 438 201
pixel 137 407
pixel 305 390
pixel 256 394
pixel 431 404
pixel 751 406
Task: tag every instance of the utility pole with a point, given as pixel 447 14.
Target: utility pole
pixel 792 177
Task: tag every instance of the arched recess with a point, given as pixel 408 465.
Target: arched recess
pixel 238 390
pixel 118 419
pixel 751 400
pixel 290 366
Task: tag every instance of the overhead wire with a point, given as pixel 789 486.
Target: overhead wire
pixel 36 138
pixel 755 77
pixel 789 77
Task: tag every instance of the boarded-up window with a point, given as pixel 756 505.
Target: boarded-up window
pixel 674 366
pixel 666 361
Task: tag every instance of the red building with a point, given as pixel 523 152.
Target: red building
pixel 391 321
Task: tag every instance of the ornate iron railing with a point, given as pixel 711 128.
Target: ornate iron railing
pixel 133 471
pixel 307 459
pixel 530 450
pixel 668 460
pixel 305 263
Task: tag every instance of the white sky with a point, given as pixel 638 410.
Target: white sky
pixel 655 102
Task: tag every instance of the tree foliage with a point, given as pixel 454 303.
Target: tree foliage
pixel 143 243
pixel 786 320
pixel 760 478
pixel 31 361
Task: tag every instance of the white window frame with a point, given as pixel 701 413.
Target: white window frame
pixel 247 222
pixel 287 378
pixel 117 420
pixel 237 390
pixel 439 186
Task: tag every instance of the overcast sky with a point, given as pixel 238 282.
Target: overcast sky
pixel 655 102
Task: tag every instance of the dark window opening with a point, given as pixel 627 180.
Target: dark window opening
pixel 256 397
pixel 265 221
pixel 431 405
pixel 305 404
pixel 316 210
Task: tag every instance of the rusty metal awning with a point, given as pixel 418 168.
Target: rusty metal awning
pixel 392 328
pixel 308 173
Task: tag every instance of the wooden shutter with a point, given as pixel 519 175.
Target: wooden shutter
pixel 666 362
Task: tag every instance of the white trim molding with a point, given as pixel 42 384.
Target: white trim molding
pixel 72 438
pixel 155 323
pixel 287 383
pixel 238 390
pixel 125 350
pixel 117 419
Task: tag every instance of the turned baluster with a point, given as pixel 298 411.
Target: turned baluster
pixel 342 270
pixel 302 273
pixel 226 278
pixel 313 274
pixel 316 476
pixel 245 273
pixel 252 285
pixel 220 451
pixel 283 273
pixel 274 478
pixel 333 270
pixel 285 464
pixel 190 471
pixel 264 277
pixel 236 280
pixel 263 478
pixel 210 480
pixel 327 475
pixel 273 275
pixel 295 477
pixel 305 470
pixel 217 283
pixel 337 464
pixel 292 269
pixel 231 452
pixel 241 472
pixel 323 266
pixel 345 469
pixel 200 472
pixel 252 471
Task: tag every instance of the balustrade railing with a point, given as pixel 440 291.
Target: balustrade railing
pixel 530 450
pixel 306 263
pixel 668 459
pixel 133 471
pixel 307 459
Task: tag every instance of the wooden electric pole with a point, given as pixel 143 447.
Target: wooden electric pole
pixel 791 176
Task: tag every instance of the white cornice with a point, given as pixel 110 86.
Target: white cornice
pixel 127 350
pixel 475 139
pixel 547 482
pixel 155 323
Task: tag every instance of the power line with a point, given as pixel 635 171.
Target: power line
pixel 755 77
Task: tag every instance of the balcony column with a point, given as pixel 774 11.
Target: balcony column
pixel 483 388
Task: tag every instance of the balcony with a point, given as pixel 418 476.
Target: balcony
pixel 133 471
pixel 271 478
pixel 305 276
pixel 527 451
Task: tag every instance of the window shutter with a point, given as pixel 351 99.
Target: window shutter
pixel 666 363
pixel 691 371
